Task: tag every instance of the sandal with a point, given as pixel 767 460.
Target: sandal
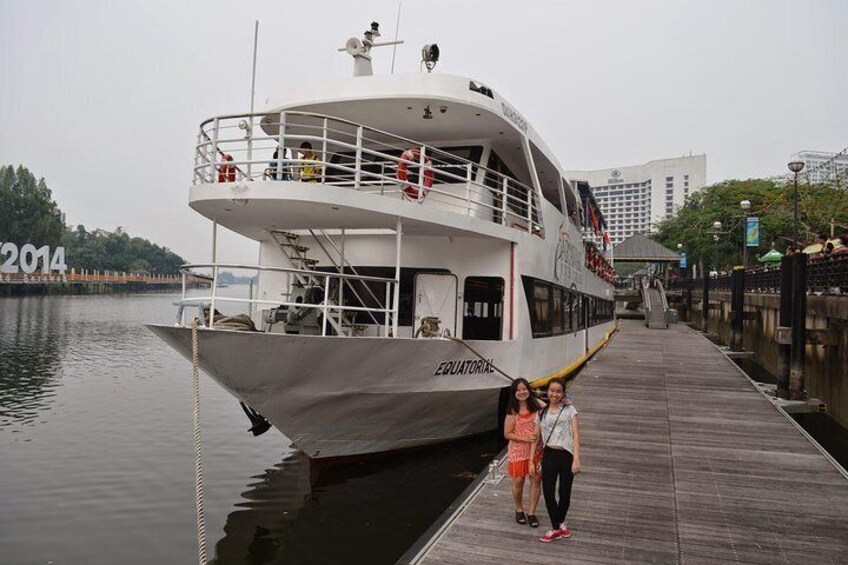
pixel 533 521
pixel 520 517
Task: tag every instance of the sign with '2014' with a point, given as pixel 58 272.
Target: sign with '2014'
pixel 28 259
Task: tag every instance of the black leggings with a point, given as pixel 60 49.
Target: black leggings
pixel 556 464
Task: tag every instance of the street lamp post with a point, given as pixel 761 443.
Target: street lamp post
pixel 796 167
pixel 745 205
pixel 716 232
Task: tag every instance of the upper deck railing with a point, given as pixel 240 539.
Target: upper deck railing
pixel 236 148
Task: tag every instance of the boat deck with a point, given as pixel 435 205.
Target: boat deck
pixel 684 461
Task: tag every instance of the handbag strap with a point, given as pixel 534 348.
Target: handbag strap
pixel 554 426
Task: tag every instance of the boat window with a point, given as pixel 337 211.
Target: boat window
pixel 482 316
pixel 447 168
pixel 456 167
pixel 555 310
pixel 378 291
pixel 570 200
pixel 475 86
pixel 538 295
pixel 557 319
pixel 373 166
pixel 549 177
pixel 516 196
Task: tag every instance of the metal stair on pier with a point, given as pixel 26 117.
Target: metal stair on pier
pixel 656 306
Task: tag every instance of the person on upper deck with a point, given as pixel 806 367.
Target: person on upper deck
pixel 310 171
pixel 272 171
pixel 575 218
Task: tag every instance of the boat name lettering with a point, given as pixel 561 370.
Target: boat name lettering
pixel 513 116
pixel 465 367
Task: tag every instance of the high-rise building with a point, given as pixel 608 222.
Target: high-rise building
pixel 821 166
pixel 634 198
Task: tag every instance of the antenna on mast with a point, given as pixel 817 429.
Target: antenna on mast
pixel 397 29
pixel 253 75
pixel 360 50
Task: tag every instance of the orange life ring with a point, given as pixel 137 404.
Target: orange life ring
pixel 227 173
pixel 413 157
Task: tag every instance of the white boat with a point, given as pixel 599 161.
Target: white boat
pixel 392 306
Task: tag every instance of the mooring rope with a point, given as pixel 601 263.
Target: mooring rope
pixel 198 460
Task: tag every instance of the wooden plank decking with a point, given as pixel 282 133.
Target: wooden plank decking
pixel 684 461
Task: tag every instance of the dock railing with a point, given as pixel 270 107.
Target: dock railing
pixel 824 274
pixel 241 148
pixel 331 312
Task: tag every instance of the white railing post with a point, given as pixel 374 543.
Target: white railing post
pixel 249 147
pixel 357 175
pixel 529 211
pixel 213 162
pixel 468 187
pixel 325 306
pixel 198 157
pixel 324 152
pixel 386 306
pixel 382 178
pixel 214 288
pixel 281 145
pixel 341 280
pixel 504 196
pixel 182 299
pixel 396 301
pixel 422 157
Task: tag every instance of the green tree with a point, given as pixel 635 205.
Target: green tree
pixel 771 202
pixel 28 213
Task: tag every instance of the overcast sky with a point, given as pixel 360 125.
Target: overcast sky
pixel 103 99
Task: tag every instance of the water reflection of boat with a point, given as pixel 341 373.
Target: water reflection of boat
pixel 255 531
pixel 415 234
pixel 368 510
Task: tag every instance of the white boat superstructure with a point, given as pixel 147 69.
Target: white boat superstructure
pixel 415 245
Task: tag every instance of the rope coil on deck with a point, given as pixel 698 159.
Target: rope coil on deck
pixel 198 460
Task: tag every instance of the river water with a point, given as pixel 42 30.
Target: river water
pixel 96 461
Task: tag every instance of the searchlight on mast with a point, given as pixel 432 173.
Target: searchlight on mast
pixel 360 50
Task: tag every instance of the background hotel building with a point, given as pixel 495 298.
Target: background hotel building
pixel 635 198
pixel 824 167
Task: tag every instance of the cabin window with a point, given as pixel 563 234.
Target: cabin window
pixel 541 309
pixel 516 196
pixel 482 316
pixel 371 294
pixel 557 318
pixel 475 86
pixel 555 310
pixel 375 168
pixel 447 169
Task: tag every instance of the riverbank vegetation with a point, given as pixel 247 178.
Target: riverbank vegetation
pixel 771 202
pixel 28 214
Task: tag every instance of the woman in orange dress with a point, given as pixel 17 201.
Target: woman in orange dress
pixel 521 429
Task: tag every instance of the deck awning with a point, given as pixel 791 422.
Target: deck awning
pixel 639 249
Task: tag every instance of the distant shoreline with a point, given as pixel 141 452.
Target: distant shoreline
pixel 13 289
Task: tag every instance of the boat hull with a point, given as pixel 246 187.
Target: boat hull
pixel 340 397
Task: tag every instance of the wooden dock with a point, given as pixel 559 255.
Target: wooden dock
pixel 684 461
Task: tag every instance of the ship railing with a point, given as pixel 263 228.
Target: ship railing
pixel 332 313
pixel 238 148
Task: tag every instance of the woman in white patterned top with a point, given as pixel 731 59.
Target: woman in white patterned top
pixel 559 433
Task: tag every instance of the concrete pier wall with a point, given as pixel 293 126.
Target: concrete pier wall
pixel 826 366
